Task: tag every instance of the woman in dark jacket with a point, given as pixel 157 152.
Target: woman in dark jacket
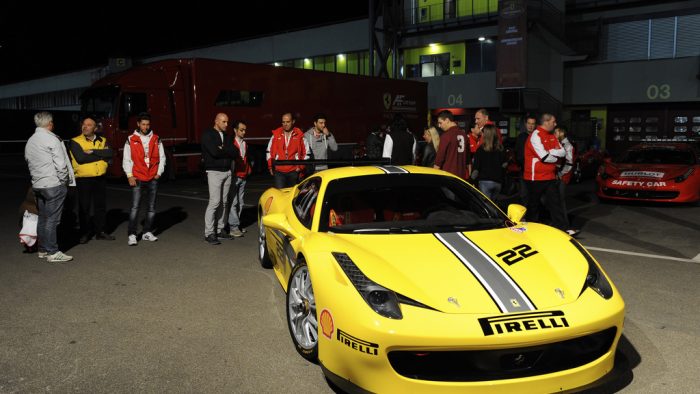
pixel 432 142
pixel 489 163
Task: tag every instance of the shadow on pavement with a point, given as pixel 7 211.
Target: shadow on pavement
pixel 166 219
pixel 626 359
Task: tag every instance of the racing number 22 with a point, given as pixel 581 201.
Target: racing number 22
pixel 516 254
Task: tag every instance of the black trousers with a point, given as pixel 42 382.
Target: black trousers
pixel 92 193
pixel 550 190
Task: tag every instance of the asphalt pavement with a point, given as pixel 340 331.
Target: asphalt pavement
pixel 179 315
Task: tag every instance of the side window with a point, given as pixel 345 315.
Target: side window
pixel 305 202
pixel 130 105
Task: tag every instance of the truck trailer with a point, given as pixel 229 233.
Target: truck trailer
pixel 184 95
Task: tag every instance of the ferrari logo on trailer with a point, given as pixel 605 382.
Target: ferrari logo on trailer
pixel 387 101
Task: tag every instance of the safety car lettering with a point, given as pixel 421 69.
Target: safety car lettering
pixel 618 182
pixel 504 324
pixel 507 295
pixel 358 344
pixel 641 174
pixel 393 170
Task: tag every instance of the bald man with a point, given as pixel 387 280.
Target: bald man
pixel 217 152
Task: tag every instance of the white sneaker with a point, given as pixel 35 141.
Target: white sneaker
pixel 41 255
pixel 148 236
pixel 58 257
pixel 132 240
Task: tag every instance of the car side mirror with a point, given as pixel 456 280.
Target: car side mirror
pixel 516 212
pixel 279 222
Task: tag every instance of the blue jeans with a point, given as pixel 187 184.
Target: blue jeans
pixel 489 188
pixel 238 191
pixel 286 179
pixel 50 204
pixel 152 187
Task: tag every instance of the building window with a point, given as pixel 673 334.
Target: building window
pixel 435 65
pixel 481 56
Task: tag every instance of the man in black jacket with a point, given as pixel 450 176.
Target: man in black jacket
pixel 530 124
pixel 217 152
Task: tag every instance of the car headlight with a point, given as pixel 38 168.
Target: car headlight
pixel 382 300
pixel 685 176
pixel 595 280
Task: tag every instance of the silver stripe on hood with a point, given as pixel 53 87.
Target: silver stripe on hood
pixel 507 295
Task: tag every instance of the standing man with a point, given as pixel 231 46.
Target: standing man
pixel 90 156
pixel 287 143
pixel 375 142
pixel 241 170
pixel 564 172
pixel 452 154
pixel 481 118
pixel 320 140
pixel 143 164
pixel 399 143
pixel 530 124
pixel 542 152
pixel 217 153
pixel 51 173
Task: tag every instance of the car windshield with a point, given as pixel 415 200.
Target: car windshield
pixel 406 203
pixel 99 101
pixel 657 156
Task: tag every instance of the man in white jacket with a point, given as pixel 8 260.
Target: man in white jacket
pixel 51 173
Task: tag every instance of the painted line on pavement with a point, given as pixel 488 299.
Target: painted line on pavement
pixel 695 260
pixel 173 195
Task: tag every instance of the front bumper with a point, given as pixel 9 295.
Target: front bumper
pixel 362 351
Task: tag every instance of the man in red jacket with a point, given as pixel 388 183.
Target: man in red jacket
pixel 542 153
pixel 143 163
pixel 287 143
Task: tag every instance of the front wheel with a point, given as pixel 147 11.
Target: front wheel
pixel 301 313
pixel 263 255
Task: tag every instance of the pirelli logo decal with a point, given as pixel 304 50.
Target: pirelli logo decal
pixel 392 170
pixel 358 344
pixel 520 322
pixel 507 295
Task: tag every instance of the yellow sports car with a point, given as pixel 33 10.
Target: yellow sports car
pixel 408 280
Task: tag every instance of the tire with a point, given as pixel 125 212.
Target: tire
pixel 263 254
pixel 302 318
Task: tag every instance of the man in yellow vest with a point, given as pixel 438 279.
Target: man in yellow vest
pixel 90 155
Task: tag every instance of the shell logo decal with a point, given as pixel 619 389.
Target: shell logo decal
pixel 326 321
pixel 267 205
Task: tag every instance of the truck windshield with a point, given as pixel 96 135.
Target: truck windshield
pixel 99 101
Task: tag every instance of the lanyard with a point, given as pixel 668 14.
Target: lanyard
pixel 286 144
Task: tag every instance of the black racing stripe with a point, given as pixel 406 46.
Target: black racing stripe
pixel 393 169
pixel 506 274
pixel 501 287
pixel 474 275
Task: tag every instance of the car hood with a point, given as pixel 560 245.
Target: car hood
pixel 458 272
pixel 646 172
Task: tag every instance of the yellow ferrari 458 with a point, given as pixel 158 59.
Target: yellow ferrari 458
pixel 409 280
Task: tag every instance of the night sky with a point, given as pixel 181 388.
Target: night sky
pixel 44 40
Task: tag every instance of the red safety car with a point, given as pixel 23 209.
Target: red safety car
pixel 667 172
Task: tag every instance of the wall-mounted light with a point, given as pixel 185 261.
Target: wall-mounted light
pixel 306 60
pixel 341 56
pixel 432 45
pixel 277 64
pixel 482 38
